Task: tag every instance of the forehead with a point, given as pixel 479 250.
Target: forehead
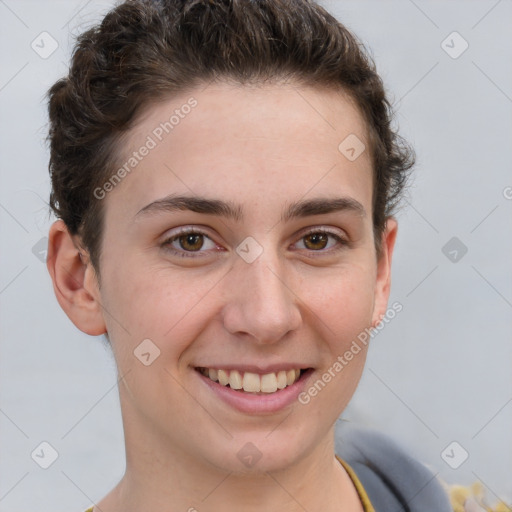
pixel 242 141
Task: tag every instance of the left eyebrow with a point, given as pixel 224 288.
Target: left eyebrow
pixel 299 209
pixel 321 206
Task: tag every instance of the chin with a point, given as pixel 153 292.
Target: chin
pixel 260 453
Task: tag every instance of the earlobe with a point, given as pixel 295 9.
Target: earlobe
pixel 383 281
pixel 70 272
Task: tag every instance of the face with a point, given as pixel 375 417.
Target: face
pixel 239 248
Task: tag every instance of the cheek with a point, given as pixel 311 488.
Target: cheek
pixel 156 303
pixel 344 313
pixel 343 301
pixel 347 313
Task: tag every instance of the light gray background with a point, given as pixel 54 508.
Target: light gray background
pixel 439 372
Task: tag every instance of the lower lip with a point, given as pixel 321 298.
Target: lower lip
pixel 258 404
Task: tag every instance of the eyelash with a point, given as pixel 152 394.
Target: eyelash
pixel 166 244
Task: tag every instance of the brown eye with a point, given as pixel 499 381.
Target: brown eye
pixel 322 242
pixel 191 241
pixel 316 241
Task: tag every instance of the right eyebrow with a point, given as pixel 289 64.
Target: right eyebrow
pixel 194 204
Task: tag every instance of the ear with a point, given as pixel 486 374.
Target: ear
pixel 383 282
pixel 74 281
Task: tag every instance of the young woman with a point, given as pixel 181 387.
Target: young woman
pixel 224 174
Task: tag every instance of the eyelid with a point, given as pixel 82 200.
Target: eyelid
pixel 322 229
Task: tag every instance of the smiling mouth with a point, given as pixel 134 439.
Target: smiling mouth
pixel 253 382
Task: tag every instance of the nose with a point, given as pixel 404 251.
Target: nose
pixel 261 302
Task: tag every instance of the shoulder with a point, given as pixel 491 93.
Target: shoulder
pixel 392 478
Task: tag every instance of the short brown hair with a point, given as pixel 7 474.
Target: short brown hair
pixel 147 50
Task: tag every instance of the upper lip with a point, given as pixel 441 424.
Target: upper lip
pixel 255 368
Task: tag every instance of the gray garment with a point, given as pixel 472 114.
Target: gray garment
pixel 393 480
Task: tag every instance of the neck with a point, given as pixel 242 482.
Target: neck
pixel 160 476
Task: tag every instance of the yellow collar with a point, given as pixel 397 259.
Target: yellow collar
pixel 365 500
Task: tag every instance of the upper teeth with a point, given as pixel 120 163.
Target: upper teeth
pixel 253 382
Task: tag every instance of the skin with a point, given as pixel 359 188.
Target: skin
pixel 261 148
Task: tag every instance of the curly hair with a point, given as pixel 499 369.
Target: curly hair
pixel 145 51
